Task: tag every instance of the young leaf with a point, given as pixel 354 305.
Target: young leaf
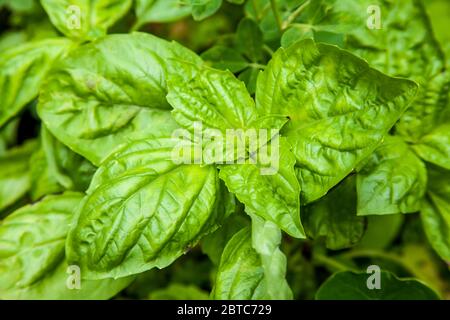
pixel 161 11
pixel 339 107
pixel 274 197
pixel 436 211
pixel 266 239
pixel 177 291
pixel 334 217
pixel 214 243
pixel 354 286
pixel 249 39
pixel 393 180
pixel 202 9
pixel 32 259
pixel 109 92
pixel 240 275
pixel 85 19
pixel 138 213
pixel 435 146
pixel 225 58
pixel 22 70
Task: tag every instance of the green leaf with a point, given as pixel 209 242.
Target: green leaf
pixel 334 217
pixel 393 180
pixel 274 195
pixel 106 94
pixel 138 213
pixel 85 19
pixel 177 291
pixel 249 39
pixel 32 259
pixel 339 107
pixel 225 58
pixel 202 9
pixel 435 146
pixel 161 11
pixel 214 243
pixel 14 176
pixel 55 168
pixel 214 97
pixel 22 71
pixel 436 212
pixel 240 275
pixel 381 231
pixel 404 46
pixel 266 239
pixel 8 135
pixel 249 77
pixel 353 286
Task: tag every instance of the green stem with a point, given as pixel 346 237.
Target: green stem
pixel 267 49
pixel 276 14
pixel 331 263
pixel 295 14
pixel 367 253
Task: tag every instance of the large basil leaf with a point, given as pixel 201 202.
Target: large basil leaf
pixel 266 239
pixel 109 92
pixel 138 213
pixel 240 275
pixel 404 46
pixel 22 70
pixel 160 11
pixel 32 259
pixel 353 286
pixel 274 197
pixel 85 19
pixel 436 211
pixel 334 217
pixel 339 107
pixel 393 180
pixel 14 175
pixel 435 146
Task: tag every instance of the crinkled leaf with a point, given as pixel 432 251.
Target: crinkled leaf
pixel 339 107
pixel 22 70
pixel 334 217
pixel 353 286
pixel 138 213
pixel 110 92
pixel 393 180
pixel 275 196
pixel 85 19
pixel 404 46
pixel 32 259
